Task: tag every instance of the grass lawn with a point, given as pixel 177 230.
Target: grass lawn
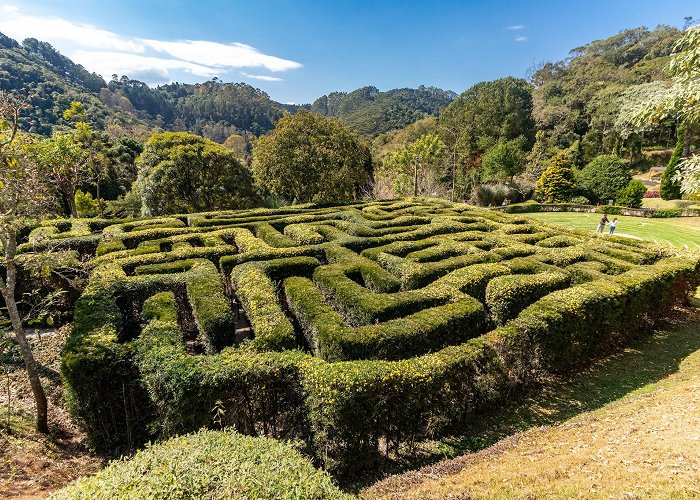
pixel 682 232
pixel 663 204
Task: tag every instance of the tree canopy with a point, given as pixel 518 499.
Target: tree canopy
pixel 600 180
pixel 181 172
pixel 309 157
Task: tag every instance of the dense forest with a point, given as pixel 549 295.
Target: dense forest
pixel 492 142
pixel 371 112
pixel 213 109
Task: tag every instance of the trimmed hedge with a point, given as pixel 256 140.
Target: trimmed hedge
pixel 208 464
pixel 414 359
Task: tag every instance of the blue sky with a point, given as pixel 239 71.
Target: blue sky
pixel 297 51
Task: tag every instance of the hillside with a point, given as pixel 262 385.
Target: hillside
pixel 214 109
pixel 580 97
pixel 52 81
pixel 371 112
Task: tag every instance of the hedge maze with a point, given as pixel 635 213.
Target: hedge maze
pixel 359 329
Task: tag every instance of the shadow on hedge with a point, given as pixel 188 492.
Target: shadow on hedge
pixel 648 359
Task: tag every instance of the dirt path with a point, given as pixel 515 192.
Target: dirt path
pixel 646 444
pixel 31 464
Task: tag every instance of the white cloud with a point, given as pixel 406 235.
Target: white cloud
pixel 520 39
pixel 235 55
pixel 107 53
pixel 515 27
pixel 264 78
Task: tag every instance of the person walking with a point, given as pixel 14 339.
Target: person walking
pixel 613 225
pixel 601 224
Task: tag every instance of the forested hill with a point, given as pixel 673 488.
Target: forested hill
pixel 213 109
pixel 580 97
pixel 371 112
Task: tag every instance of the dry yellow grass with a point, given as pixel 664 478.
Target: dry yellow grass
pixel 643 445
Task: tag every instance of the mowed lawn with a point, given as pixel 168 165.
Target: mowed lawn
pixel 682 232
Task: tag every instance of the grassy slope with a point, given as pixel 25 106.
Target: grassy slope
pixel 643 442
pixel 679 231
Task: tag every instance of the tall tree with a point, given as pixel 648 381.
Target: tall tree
pixel 504 161
pixel 679 101
pixel 181 172
pixel 670 188
pixel 66 161
pixel 309 157
pixel 24 193
pixel 419 160
pixel 483 115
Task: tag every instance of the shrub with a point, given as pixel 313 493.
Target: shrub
pixel 580 200
pixel 612 210
pixel 86 205
pixel 632 195
pixel 666 213
pixel 411 279
pixel 208 464
pixel 600 180
pixel 556 184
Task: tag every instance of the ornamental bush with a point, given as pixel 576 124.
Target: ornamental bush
pixel 556 184
pixel 600 180
pixel 632 195
pixel 208 464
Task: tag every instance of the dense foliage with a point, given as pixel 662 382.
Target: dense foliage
pixel 208 464
pixel 631 195
pixel 348 310
pixel 556 185
pixel 577 100
pixel 371 112
pixel 310 157
pixel 180 172
pixel 485 116
pixel 600 179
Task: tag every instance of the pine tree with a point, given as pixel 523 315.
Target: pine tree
pixel 556 185
pixel 669 189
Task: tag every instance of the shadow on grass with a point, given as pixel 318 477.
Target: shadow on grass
pixel 648 359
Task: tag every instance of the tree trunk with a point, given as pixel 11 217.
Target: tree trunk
pixel 71 204
pixel 30 365
pixel 415 178
pixel 8 292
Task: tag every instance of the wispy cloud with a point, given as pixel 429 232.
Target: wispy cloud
pixel 515 27
pixel 520 39
pixel 264 78
pixel 153 61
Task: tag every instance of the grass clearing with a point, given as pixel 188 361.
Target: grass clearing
pixel 638 435
pixel 664 204
pixel 681 232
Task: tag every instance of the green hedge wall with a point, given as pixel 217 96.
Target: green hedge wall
pixel 362 344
